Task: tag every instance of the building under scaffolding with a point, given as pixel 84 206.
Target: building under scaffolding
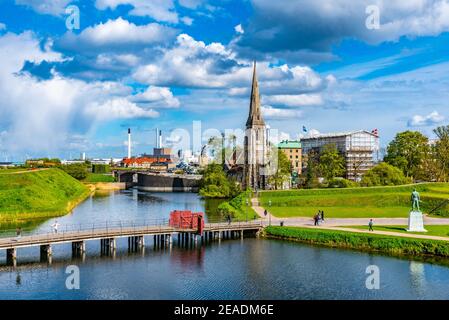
pixel 359 148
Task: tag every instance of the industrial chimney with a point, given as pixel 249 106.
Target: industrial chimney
pixel 129 143
pixel 157 137
pixel 160 138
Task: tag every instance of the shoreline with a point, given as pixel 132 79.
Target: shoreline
pixel 375 243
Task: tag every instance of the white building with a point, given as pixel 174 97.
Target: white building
pixel 359 148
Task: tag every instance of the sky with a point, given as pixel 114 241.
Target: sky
pixel 75 75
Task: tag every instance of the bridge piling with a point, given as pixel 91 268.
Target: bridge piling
pixel 45 253
pixel 141 241
pixel 78 247
pixel 11 257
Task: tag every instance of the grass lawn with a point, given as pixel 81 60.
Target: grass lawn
pixel 340 212
pixel 99 177
pixel 38 194
pixel 432 230
pixel 373 202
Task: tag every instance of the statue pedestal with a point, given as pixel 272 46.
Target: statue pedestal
pixel 416 222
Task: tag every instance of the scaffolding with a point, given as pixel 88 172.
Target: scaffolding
pixel 359 148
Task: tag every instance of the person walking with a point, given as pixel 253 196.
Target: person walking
pixel 229 219
pixel 322 215
pixel 18 232
pixel 315 219
pixel 55 226
pixel 265 212
pixel 370 225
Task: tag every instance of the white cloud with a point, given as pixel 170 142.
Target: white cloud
pixel 239 29
pixel 239 91
pixel 191 4
pixel 192 63
pixel 187 21
pixel 118 33
pixel 119 108
pixel 44 115
pixel 431 119
pixel 160 10
pixel 160 97
pixel 110 59
pixel 313 27
pixel 294 100
pixel 280 114
pixel 52 7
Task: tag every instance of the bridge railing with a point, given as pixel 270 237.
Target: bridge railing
pixel 121 226
pixel 79 227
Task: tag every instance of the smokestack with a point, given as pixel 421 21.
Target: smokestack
pixel 129 143
pixel 157 137
pixel 160 138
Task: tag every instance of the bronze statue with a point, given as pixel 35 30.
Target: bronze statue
pixel 415 200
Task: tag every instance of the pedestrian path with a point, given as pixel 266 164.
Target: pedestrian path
pixel 344 224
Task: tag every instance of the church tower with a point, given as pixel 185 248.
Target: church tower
pixel 255 145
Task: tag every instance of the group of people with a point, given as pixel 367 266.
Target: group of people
pixel 318 218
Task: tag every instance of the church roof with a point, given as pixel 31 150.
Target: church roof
pixel 255 113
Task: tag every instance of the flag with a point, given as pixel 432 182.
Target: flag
pixel 304 129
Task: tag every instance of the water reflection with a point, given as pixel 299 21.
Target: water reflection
pixel 418 277
pixel 233 269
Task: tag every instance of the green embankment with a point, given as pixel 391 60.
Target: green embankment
pixel 237 207
pixel 372 202
pixel 359 241
pixel 37 194
pixel 432 230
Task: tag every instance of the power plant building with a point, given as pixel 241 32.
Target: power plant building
pixel 359 148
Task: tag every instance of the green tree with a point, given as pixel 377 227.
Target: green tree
pixel 215 183
pixel 283 171
pixel 441 153
pixel 384 174
pixel 407 152
pixel 312 170
pixel 332 163
pixel 76 170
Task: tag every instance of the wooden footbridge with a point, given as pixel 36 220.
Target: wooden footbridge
pixel 135 231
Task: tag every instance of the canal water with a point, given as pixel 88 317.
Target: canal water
pixel 232 269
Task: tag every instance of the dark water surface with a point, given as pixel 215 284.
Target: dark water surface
pixel 232 269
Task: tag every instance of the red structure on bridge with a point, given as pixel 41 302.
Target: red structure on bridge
pixel 186 219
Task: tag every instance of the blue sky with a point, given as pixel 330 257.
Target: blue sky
pixel 167 63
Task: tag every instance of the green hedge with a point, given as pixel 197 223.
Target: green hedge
pixel 360 241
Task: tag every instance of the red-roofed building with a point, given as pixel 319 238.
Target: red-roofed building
pixel 145 162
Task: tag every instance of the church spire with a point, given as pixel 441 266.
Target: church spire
pixel 255 114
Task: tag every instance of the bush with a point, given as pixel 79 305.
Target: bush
pixel 101 168
pixel 76 170
pixel 384 174
pixel 341 183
